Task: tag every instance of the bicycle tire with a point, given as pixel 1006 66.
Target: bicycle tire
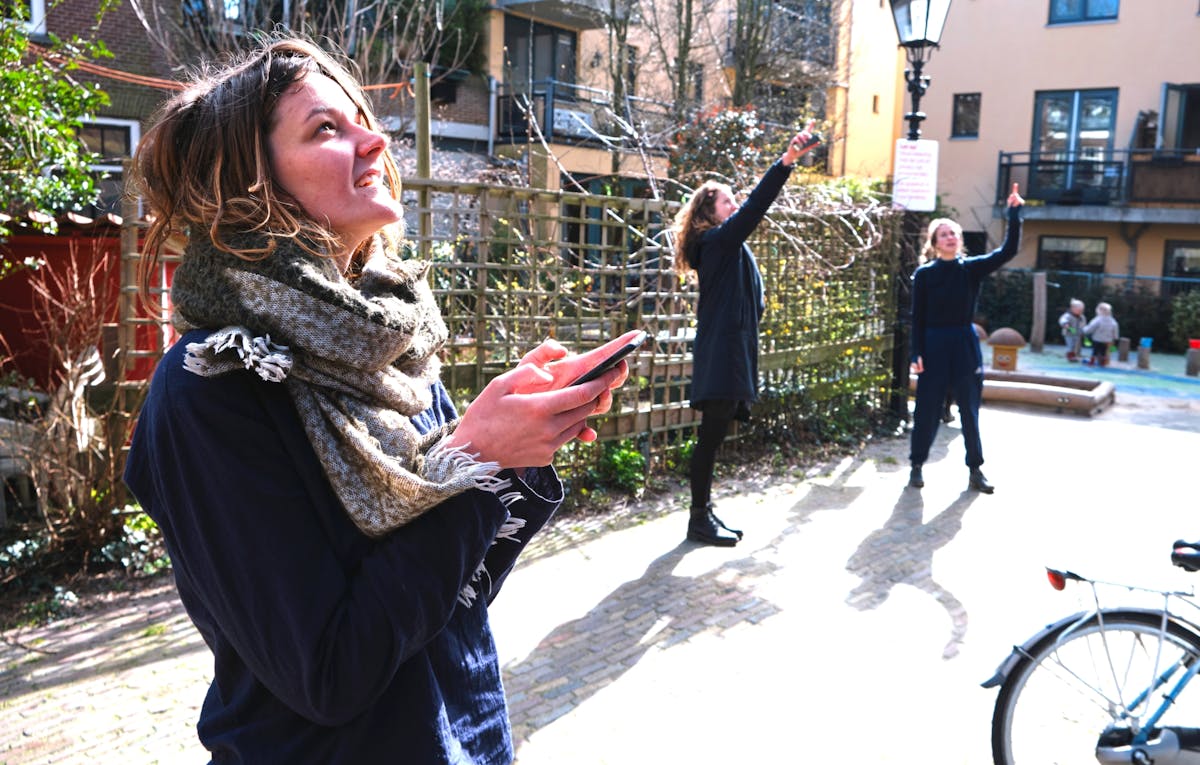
pixel 1057 700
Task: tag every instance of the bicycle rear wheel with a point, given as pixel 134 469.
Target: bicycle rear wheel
pixel 1079 681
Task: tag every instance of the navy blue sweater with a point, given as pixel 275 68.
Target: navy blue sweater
pixel 329 646
pixel 945 292
pixel 730 306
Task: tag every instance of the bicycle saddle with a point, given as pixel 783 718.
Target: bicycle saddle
pixel 1186 555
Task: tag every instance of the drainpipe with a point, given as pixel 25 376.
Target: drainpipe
pixel 491 141
pixel 1131 239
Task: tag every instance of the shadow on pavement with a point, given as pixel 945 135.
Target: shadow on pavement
pixel 901 552
pixel 653 612
pixel 150 628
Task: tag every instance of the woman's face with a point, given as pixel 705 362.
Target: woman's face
pixel 724 205
pixel 329 163
pixel 945 241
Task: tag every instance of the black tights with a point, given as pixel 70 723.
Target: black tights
pixel 714 425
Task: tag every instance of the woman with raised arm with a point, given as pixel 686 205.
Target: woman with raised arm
pixel 336 531
pixel 711 230
pixel 945 347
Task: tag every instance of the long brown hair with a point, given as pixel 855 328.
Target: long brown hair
pixel 204 166
pixel 693 219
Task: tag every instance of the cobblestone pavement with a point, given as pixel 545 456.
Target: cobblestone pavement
pixel 853 624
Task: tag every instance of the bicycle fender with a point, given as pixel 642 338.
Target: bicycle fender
pixel 1021 651
pixel 1051 630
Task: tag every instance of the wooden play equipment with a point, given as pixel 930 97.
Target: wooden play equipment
pixel 1066 394
pixel 1063 394
pixel 1005 343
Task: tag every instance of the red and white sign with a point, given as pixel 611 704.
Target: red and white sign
pixel 914 183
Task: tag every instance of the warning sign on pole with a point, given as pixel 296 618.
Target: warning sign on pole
pixel 914 184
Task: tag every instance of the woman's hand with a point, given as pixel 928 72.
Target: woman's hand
pixel 1014 199
pixel 796 148
pixel 917 367
pixel 526 414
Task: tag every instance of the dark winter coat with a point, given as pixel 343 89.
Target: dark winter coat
pixel 731 300
pixel 329 646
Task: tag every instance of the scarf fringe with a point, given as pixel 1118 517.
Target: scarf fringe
pixel 270 361
pixel 508 531
pixel 444 463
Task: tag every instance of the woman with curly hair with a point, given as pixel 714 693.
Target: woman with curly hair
pixel 710 240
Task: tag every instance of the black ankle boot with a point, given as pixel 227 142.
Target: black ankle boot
pixel 721 523
pixel 706 528
pixel 979 483
pixel 915 479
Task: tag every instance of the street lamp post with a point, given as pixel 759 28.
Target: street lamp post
pixel 919 26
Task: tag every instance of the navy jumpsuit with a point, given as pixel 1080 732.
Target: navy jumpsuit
pixel 943 337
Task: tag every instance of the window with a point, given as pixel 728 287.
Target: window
pixel 696 83
pixel 1073 136
pixel 231 17
pixel 538 52
pixel 965 123
pixel 1072 253
pixel 631 68
pixel 443 91
pixel 112 140
pixel 1180 125
pixel 1068 11
pixel 31 12
pixel 1181 260
pixel 975 242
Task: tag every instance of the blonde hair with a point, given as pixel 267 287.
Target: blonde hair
pixel 931 234
pixel 696 216
pixel 1103 309
pixel 204 168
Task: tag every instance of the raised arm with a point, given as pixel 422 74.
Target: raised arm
pixel 742 223
pixel 982 265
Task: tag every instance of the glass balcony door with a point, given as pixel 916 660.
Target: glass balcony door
pixel 1072 145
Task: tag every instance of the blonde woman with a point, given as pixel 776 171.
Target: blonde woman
pixel 945 347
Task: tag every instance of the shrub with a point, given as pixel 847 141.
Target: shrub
pixel 1185 318
pixel 623 465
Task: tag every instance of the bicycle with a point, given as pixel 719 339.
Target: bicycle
pixel 1105 684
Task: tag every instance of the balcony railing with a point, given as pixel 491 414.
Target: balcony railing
pixel 1127 177
pixel 573 113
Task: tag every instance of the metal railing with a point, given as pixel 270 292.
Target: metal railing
pixel 1135 176
pixel 571 112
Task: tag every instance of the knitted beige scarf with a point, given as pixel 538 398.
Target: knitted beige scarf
pixel 358 360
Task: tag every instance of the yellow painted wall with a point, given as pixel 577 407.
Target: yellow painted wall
pixel 871 99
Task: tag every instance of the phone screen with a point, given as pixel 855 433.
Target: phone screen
pixel 613 359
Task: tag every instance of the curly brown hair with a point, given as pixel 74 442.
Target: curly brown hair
pixel 693 219
pixel 204 168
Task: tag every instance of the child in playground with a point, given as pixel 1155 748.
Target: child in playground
pixel 1071 323
pixel 1103 331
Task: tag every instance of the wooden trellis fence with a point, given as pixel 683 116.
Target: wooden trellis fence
pixel 513 266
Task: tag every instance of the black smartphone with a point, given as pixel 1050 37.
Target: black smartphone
pixel 613 359
pixel 813 140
